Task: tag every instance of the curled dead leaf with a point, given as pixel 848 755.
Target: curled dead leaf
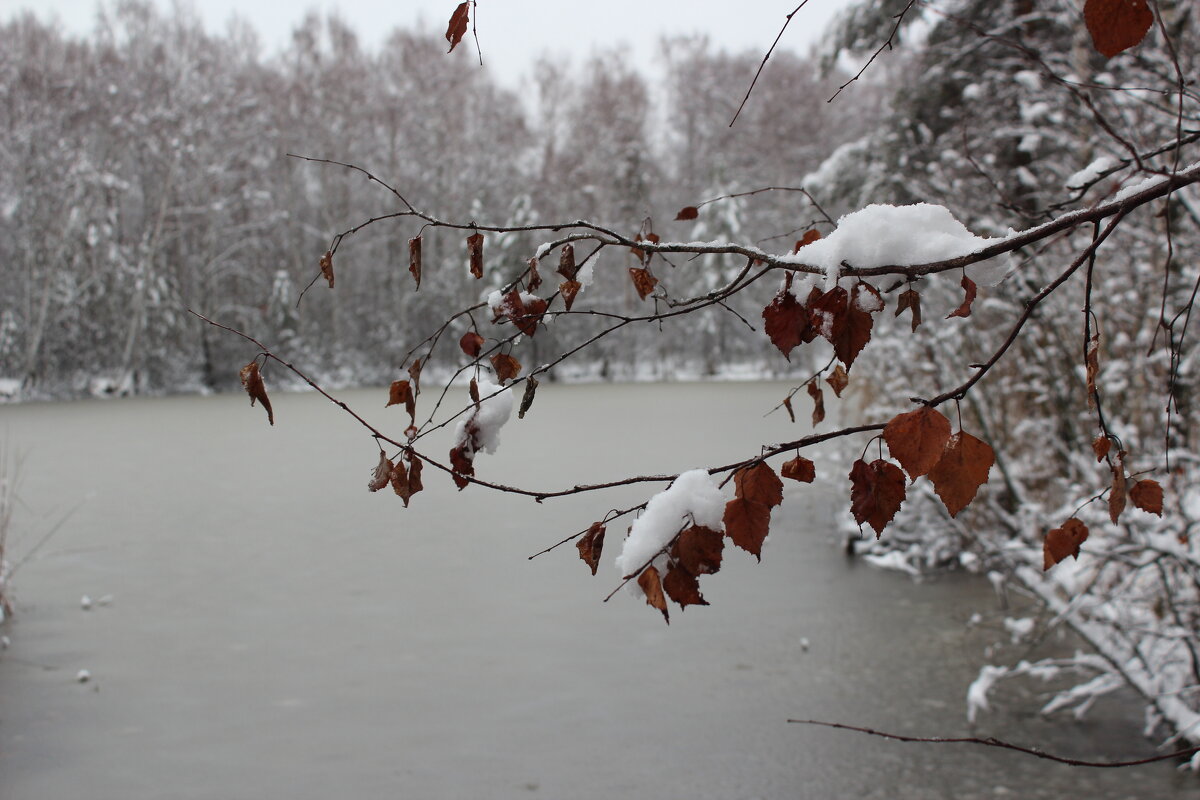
pixel 475 252
pixel 643 281
pixel 964 310
pixel 401 392
pixel 566 262
pixel 909 299
pixel 381 474
pixel 326 264
pixel 838 379
pixel 252 382
pixel 591 545
pixel 799 469
pixel 568 290
pixel 818 398
pixel 414 259
pixel 535 278
pixel 1101 446
pixel 652 586
pixel 531 384
pixel 457 28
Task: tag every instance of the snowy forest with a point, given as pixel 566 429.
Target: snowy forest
pixel 152 168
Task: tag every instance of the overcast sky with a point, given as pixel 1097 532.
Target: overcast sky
pixel 511 32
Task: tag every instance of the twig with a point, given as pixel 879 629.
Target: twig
pixel 991 741
pixel 778 36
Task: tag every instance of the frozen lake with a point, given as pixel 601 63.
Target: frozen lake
pixel 275 631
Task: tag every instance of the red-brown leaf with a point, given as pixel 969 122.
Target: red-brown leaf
pixel 326 264
pixel 876 493
pixel 252 382
pixel 1062 542
pixel 591 545
pixel 1117 25
pixel 566 262
pixel 799 469
pixel 758 483
pixel 471 344
pixel 381 474
pixel 964 310
pixel 414 476
pixel 475 253
pixel 747 523
pixel 506 367
pixel 784 321
pixel 687 212
pixel 818 398
pixel 917 439
pixel 809 237
pixel 462 466
pixel 909 299
pixel 398 477
pixel 962 469
pixel 473 392
pixel 652 586
pixel 401 392
pixel 568 290
pixel 414 259
pixel 1117 495
pixel 457 28
pixel 535 278
pixel 838 379
pixel 787 404
pixel 699 550
pixel 1091 362
pixel 643 281
pixel 682 587
pixel 1101 446
pixel 844 324
pixel 1147 495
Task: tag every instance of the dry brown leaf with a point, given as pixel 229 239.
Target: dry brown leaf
pixel 876 493
pixel 566 262
pixel 1147 495
pixel 414 475
pixel 473 392
pixel 1101 446
pixel 643 281
pixel 471 344
pixel 414 372
pixel 799 469
pixel 591 545
pixel 964 310
pixel 962 469
pixel 787 404
pixel 326 264
pixel 475 254
pixel 381 474
pixel 687 212
pixel 909 299
pixel 682 587
pixel 1062 542
pixel 838 379
pixel 457 28
pixel 462 466
pixel 401 392
pixel 1117 25
pixel 252 382
pixel 818 398
pixel 535 278
pixel 531 384
pixel 414 259
pixel 1092 365
pixel 808 238
pixel 398 477
pixel 917 439
pixel 568 290
pixel 506 367
pixel 652 586
pixel 759 483
pixel 699 550
pixel 1117 495
pixel 785 321
pixel 747 523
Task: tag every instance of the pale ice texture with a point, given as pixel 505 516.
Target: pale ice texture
pixel 884 235
pixel 487 421
pixel 693 497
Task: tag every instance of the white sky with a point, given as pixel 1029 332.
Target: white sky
pixel 511 32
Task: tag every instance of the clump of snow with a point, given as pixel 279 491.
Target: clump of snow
pixel 972 91
pixel 481 430
pixel 977 692
pixel 693 497
pixel 1089 173
pixel 85 603
pixel 83 676
pixel 886 235
pixel 1019 628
